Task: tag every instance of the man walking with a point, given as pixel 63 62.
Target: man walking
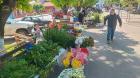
pixel 112 22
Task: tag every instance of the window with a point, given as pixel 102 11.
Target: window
pixel 27 19
pixel 35 19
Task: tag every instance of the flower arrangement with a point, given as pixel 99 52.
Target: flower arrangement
pixel 76 58
pixel 67 59
pixel 76 63
pixel 85 41
pixel 72 73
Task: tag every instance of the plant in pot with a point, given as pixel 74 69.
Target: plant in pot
pixel 88 42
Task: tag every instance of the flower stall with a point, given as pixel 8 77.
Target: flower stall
pixel 59 47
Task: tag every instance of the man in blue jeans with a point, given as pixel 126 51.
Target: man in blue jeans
pixel 112 22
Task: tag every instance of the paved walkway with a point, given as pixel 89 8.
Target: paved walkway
pixel 121 59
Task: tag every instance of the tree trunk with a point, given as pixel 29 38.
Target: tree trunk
pixel 5 10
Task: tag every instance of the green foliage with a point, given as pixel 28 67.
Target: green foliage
pixel 40 61
pixel 24 5
pixel 88 42
pixel 38 7
pixel 138 1
pixel 128 3
pixel 109 2
pixel 18 69
pixel 1 1
pixel 75 3
pixel 61 37
pixel 62 3
pixel 65 26
pixel 42 54
pixel 49 68
pixel 96 18
pixel 84 3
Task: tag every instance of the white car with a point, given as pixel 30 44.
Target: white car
pixel 45 17
pixel 10 29
pixel 25 22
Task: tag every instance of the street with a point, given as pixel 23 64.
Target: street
pixel 120 59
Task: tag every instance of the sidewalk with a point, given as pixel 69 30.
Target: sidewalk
pixel 121 59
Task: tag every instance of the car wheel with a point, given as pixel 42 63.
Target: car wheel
pixel 23 32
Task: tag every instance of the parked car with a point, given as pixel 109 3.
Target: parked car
pixel 10 29
pixel 9 21
pixel 33 19
pixel 45 17
pixel 25 22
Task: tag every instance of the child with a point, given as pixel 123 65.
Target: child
pixel 37 33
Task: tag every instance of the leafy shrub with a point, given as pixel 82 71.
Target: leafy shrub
pixel 18 69
pixel 97 18
pixel 65 26
pixel 88 42
pixel 43 53
pixel 61 37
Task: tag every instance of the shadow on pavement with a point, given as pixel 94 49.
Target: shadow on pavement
pixel 116 60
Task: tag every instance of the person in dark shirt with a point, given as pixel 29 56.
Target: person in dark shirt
pixel 112 22
pixel 81 16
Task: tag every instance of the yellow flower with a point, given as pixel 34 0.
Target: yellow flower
pixel 66 62
pixel 76 63
pixel 69 55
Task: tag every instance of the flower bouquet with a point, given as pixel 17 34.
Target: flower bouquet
pixel 72 73
pixel 76 58
pixel 85 41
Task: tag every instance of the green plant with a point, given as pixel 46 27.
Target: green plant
pixel 42 54
pixel 88 42
pixel 18 69
pixel 49 68
pixel 65 26
pixel 97 18
pixel 61 37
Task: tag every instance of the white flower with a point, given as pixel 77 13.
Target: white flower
pixel 68 73
pixel 79 40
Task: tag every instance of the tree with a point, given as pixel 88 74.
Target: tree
pixel 138 4
pixel 110 2
pixel 65 4
pixel 38 8
pixel 6 7
pixel 83 3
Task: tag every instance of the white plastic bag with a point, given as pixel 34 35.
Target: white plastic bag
pixel 60 57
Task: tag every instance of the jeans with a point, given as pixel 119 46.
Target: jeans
pixel 110 32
